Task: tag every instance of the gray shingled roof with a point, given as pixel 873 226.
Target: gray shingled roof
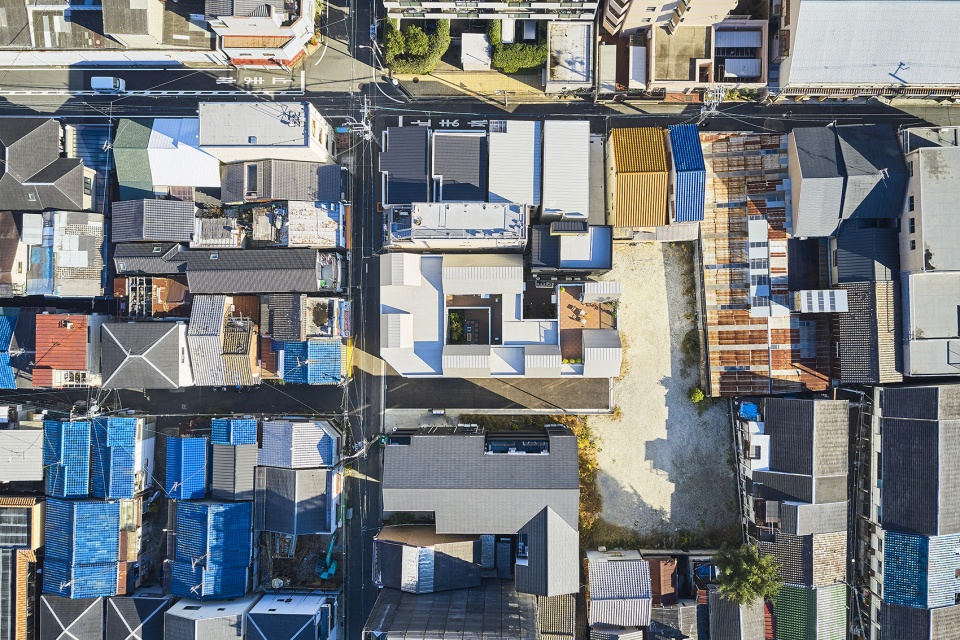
pixel 283 180
pixel 921 475
pixel 220 8
pixel 152 221
pixel 252 271
pixel 876 173
pixel 156 259
pixel 83 618
pixel 34 176
pixel 291 501
pixel 818 152
pixel 544 248
pixel 143 616
pixel 462 161
pixel 132 17
pixel 492 611
pixel 620 593
pixel 281 626
pixel 142 355
pixel 15 30
pixel 405 163
pixel 807 437
pixel 820 182
pixel 935 402
pixel 281 316
pixel 472 492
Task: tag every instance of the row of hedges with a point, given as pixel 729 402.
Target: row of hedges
pixel 511 58
pixel 413 51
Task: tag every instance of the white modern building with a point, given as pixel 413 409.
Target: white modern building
pixel 445 226
pixel 899 47
pixel 473 316
pixel 566 170
pixel 295 616
pixel 248 131
pixel 269 35
pixel 196 620
pixel 628 17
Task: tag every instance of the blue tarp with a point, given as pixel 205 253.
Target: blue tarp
pixel 749 411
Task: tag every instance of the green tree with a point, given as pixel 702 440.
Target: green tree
pixel 745 575
pixel 395 45
pixel 417 42
pixel 696 395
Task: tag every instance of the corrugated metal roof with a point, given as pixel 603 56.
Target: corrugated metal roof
pixel 566 168
pixel 314 361
pixel 685 147
pixel 515 161
pixel 620 592
pixel 481 274
pixel 640 174
pixel 152 220
pixel 742 68
pixel 61 342
pixel 739 39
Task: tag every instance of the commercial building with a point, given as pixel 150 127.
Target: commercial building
pixel 929 261
pixel 249 131
pixel 632 17
pixel 470 316
pixel 879 59
pixel 271 35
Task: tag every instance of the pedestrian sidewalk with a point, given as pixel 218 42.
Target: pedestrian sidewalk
pixel 491 86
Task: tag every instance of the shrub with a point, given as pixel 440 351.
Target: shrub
pixel 511 58
pixel 696 395
pixel 416 40
pixel 745 575
pixel 402 47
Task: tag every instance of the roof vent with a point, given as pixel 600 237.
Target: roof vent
pixel 252 139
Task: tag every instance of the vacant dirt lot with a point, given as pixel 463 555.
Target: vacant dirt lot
pixel 665 463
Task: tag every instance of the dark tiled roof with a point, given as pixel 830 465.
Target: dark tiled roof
pixel 405 162
pixel 281 626
pixel 553 561
pixel 923 403
pixel 462 161
pixel 152 220
pixel 252 271
pixel 15 30
pixel 557 617
pixel 142 355
pixel 149 259
pixel 868 334
pixel 67 619
pixel 291 501
pixel 472 492
pixel 876 174
pixel 281 316
pixel 807 436
pixel 35 177
pixel 818 152
pixel 493 611
pixel 544 248
pixel 122 18
pixel 145 615
pixel 284 180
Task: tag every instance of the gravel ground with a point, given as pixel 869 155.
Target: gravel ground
pixel 665 463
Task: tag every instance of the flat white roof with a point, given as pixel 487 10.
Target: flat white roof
pixel 939 176
pixel 570 44
pixel 210 609
pixel 475 54
pixel 294 604
pixel 176 159
pixel 863 42
pixel 251 124
pixel 566 168
pixel 465 219
pixel 934 297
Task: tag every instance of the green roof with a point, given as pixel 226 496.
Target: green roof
pixel 131 159
pixel 804 613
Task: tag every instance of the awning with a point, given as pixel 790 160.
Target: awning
pixel 638 68
pixel 739 39
pixel 741 68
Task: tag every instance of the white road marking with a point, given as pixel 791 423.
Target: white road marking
pixel 152 93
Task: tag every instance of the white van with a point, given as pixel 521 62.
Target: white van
pixel 106 84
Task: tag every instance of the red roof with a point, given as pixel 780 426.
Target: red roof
pixel 61 345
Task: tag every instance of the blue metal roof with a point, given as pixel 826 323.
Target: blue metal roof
pixel 7 379
pixel 687 152
pixel 689 171
pixel 7 324
pixel 315 361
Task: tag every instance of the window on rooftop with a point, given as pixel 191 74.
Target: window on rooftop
pixel 32 197
pixel 910 203
pixel 651 9
pixel 913 225
pixel 913 245
pixel 910 167
pixel 251 182
pixel 252 139
pixel 157 249
pixel 214 256
pixel 192 607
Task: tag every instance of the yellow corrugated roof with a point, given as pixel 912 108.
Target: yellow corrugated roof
pixel 639 150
